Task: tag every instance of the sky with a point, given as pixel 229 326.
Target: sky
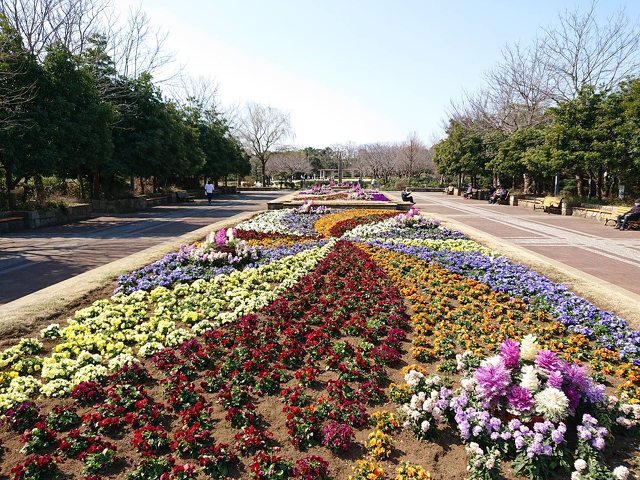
pixel 359 71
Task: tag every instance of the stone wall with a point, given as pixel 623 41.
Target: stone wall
pixel 56 216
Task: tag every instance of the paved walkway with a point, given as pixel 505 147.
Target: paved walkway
pixel 584 244
pixel 34 259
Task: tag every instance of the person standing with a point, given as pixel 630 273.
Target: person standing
pixel 208 189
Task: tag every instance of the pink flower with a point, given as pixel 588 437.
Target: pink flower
pixel 547 361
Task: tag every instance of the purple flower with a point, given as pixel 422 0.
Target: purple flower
pixel 598 443
pixel 520 398
pixel 574 397
pixel 510 353
pixel 577 377
pixel 555 380
pixel 493 380
pixel 547 361
pixel 221 236
pixel 557 436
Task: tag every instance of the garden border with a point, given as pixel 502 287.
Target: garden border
pixel 601 293
pixel 55 299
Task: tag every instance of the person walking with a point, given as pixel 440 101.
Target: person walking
pixel 208 190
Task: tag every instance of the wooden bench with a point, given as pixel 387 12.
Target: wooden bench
pixel 183 196
pixel 448 190
pixel 11 219
pixel 612 216
pixel 549 204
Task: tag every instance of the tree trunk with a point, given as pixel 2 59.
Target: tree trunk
pixel 579 184
pixel 82 192
pixel 600 184
pixel 155 184
pixel 141 185
pixel 40 196
pixel 95 185
pixel 11 194
pixel 263 165
pixel 526 189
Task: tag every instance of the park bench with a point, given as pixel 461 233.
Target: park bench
pixel 11 219
pixel 612 216
pixel 183 196
pixel 449 190
pixel 549 205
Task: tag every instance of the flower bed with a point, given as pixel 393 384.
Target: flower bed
pixel 275 350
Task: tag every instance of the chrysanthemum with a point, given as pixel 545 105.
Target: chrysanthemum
pixel 547 361
pixel 529 347
pixel 520 399
pixel 552 404
pixel 529 379
pixel 510 353
pixel 492 380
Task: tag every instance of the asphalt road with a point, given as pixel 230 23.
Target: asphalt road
pixel 34 259
pixel 584 244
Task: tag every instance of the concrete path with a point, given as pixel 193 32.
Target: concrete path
pixel 608 258
pixel 34 259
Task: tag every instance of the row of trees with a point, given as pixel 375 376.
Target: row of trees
pixel 78 100
pixel 383 161
pixel 566 106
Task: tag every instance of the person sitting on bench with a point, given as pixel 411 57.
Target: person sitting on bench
pixel 633 215
pixel 499 195
pixel 406 195
pixel 469 192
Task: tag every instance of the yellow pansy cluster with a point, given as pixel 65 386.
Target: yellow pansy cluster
pixel 323 225
pixel 99 339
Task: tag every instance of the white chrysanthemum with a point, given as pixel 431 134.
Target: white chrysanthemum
pixel 529 347
pixel 552 404
pixel 621 473
pixel 576 476
pixel 491 361
pixel 425 425
pixel 529 379
pixel 580 465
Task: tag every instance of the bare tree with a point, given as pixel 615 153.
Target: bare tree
pixel 202 91
pixel 412 155
pixel 579 52
pixel 41 23
pixel 262 130
pixel 379 159
pixel 137 47
pixel 289 162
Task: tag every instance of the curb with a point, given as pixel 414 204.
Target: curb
pixel 601 293
pixel 55 299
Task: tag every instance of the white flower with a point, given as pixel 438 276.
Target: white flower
pixel 575 476
pixel 621 472
pixel 413 378
pixel 529 379
pixel 552 404
pixel 467 384
pixel 491 361
pixel 425 425
pixel 529 347
pixel 580 465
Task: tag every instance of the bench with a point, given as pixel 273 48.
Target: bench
pixel 448 190
pixel 183 196
pixel 612 216
pixel 11 219
pixel 549 204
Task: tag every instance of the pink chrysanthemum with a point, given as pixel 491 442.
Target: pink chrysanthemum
pixel 510 353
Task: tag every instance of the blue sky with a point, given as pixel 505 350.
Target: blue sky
pixel 353 70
